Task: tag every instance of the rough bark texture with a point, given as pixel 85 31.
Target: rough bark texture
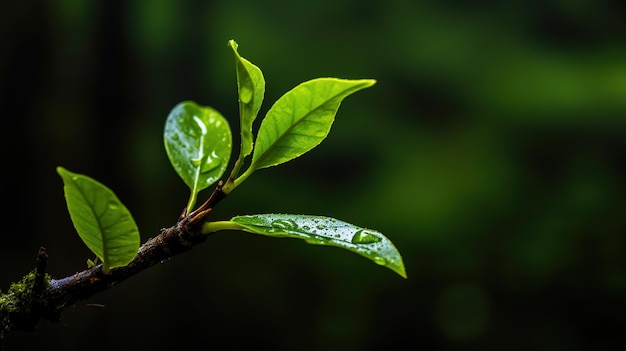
pixel 37 296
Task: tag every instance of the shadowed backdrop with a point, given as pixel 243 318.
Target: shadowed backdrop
pixel 491 152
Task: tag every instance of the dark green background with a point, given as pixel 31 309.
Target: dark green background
pixel 491 152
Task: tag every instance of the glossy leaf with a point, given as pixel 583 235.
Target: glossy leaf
pixel 198 143
pixel 251 88
pixel 103 223
pixel 301 119
pixel 320 230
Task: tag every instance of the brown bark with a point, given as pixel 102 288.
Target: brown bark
pixel 40 297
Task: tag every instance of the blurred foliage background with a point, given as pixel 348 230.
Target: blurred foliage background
pixel 491 152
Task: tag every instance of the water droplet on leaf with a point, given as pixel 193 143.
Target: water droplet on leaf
pixel 365 237
pixel 315 241
pixel 379 260
pixel 192 132
pixel 284 224
pixel 211 162
pixel 196 161
pixel 245 94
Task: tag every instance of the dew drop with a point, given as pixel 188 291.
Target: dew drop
pixel 284 224
pixel 379 260
pixel 209 166
pixel 245 94
pixel 365 237
pixel 314 240
pixel 113 207
pixel 192 132
pixel 175 137
pixel 196 161
pixel 211 162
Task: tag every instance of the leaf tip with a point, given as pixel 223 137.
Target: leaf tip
pixel 396 264
pixel 402 272
pixel 233 44
pixel 64 173
pixel 369 82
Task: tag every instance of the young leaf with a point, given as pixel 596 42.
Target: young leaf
pixel 198 143
pixel 326 231
pixel 103 223
pixel 299 120
pixel 251 87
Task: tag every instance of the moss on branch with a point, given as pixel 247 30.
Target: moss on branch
pixel 38 296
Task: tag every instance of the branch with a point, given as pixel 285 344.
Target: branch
pixel 37 296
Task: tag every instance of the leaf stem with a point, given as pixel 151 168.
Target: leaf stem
pixel 234 181
pixel 212 227
pixel 192 200
pixel 228 186
pixel 244 176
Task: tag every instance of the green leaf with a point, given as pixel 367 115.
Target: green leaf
pixel 103 223
pixel 326 231
pixel 251 87
pixel 301 119
pixel 198 143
